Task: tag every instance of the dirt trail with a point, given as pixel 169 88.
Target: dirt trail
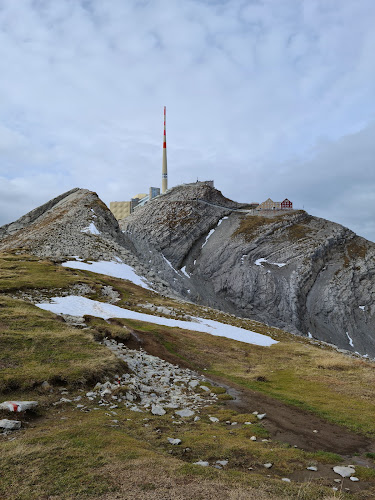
pixel 285 423
pixel 295 426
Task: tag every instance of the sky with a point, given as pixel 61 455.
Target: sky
pixel 270 98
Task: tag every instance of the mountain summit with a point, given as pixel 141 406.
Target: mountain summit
pixel 288 269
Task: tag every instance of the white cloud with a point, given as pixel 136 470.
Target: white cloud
pixel 249 86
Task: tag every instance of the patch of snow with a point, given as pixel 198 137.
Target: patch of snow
pixel 258 262
pixel 309 335
pixel 242 258
pixel 208 236
pixel 350 339
pixel 114 269
pixel 91 229
pixel 183 269
pixel 79 306
pixel 362 307
pixel 221 220
pixel 169 264
pixel 188 291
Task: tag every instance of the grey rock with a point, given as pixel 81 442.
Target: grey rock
pixel 46 386
pixel 17 406
pixel 185 413
pixel 10 425
pixel 202 463
pixel 222 462
pixel 344 471
pixel 157 410
pixel 175 441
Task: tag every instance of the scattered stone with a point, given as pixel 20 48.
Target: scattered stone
pixel 205 388
pixel 268 465
pixel 286 479
pixel 261 416
pixel 337 480
pixel 202 463
pixel 45 386
pixel 253 438
pixel 247 423
pixel 214 419
pixel 315 431
pixel 17 406
pixel 10 425
pixel 174 441
pixel 234 423
pixel 312 467
pixel 255 412
pixel 222 462
pixel 185 413
pixel 344 471
pixel 152 381
pixel 335 489
pixel 157 410
pixel 353 478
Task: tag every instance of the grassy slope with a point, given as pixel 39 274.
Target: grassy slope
pixel 77 457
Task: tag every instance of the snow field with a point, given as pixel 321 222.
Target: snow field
pixel 115 269
pixel 79 306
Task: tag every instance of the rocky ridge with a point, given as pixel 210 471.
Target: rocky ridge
pixel 291 270
pixel 78 224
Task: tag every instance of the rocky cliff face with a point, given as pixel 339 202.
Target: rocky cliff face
pixel 305 274
pixel 78 224
pixel 291 270
pixel 75 223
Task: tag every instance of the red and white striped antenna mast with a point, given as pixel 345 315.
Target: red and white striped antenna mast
pixel 164 172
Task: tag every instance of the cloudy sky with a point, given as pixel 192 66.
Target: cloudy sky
pixel 270 98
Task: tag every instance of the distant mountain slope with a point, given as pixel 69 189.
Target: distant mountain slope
pixel 289 269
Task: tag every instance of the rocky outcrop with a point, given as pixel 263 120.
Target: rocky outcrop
pixel 291 270
pixel 79 224
pixel 76 223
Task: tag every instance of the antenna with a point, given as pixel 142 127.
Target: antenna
pixel 164 171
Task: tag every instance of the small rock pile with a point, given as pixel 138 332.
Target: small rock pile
pixel 154 385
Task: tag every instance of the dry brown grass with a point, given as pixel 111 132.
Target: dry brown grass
pixel 147 479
